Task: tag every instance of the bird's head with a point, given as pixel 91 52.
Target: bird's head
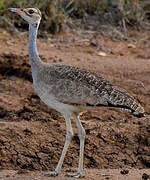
pixel 31 15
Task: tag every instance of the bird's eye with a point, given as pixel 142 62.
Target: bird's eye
pixel 31 11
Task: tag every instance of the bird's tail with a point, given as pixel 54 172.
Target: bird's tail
pixel 124 101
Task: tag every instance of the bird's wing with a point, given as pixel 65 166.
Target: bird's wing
pixel 73 85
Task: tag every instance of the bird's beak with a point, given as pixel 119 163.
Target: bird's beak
pixel 16 10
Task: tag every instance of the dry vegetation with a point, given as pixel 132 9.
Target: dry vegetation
pixel 87 14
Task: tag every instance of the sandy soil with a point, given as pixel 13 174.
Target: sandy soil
pixel 32 135
pixel 89 174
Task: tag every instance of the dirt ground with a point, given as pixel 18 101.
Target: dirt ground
pixel 32 135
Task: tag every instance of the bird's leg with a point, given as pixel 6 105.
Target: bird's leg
pixel 69 135
pixel 81 134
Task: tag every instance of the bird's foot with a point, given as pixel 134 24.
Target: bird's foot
pixel 53 173
pixel 75 175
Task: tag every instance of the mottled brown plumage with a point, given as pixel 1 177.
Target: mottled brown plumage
pixel 77 86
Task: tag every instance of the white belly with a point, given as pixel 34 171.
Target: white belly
pixel 58 106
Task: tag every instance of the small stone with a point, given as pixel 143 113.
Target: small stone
pixel 6 53
pixel 94 43
pixel 124 171
pixel 131 46
pixel 145 176
pixel 101 54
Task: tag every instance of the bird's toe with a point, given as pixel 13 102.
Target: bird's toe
pixel 75 175
pixel 53 173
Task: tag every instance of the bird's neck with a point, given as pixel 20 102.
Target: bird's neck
pixel 33 53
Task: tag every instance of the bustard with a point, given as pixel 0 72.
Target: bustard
pixel 70 90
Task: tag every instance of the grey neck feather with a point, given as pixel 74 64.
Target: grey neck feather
pixel 33 53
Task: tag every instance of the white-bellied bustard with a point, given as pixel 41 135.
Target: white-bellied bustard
pixel 70 90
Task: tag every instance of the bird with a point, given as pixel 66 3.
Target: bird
pixel 71 90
